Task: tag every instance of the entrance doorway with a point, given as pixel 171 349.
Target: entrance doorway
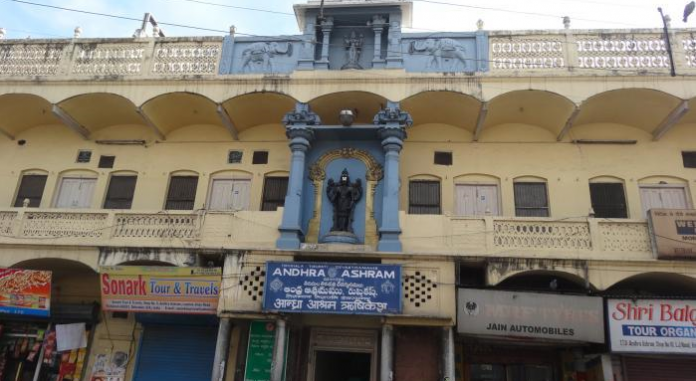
pixel 342 366
pixel 343 355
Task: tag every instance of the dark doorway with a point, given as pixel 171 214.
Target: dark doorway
pixel 342 366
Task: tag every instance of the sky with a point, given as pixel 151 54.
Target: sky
pixel 22 20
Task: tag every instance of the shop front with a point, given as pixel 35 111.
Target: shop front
pixel 654 339
pixel 41 339
pixel 175 308
pixel 523 336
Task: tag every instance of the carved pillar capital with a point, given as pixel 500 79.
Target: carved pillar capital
pixel 392 116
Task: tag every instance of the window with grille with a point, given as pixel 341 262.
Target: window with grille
pixel 608 200
pixel 531 200
pixel 443 158
pixel 424 197
pixel 84 156
pixel 234 157
pixel 120 192
pixel 274 191
pixel 260 157
pixel 31 188
pixel 106 161
pixel 182 193
pixel 689 159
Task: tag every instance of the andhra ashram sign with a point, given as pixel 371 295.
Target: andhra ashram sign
pixel 674 233
pixel 530 315
pixel 175 290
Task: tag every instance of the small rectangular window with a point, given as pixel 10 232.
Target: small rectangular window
pixel 689 159
pixel 260 157
pixel 31 188
pixel 120 193
pixel 182 193
pixel 84 156
pixel 608 200
pixel 424 197
pixel 531 200
pixel 274 191
pixel 443 158
pixel 106 161
pixel 234 157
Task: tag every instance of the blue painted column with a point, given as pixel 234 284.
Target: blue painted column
pixel 298 128
pixel 392 122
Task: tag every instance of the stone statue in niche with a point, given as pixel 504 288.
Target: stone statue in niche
pixel 344 196
pixel 354 43
pixel 442 51
pixel 259 56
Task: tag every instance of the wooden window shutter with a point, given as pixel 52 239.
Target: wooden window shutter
pixel 182 192
pixel 531 200
pixel 424 197
pixel 31 188
pixel 120 193
pixel 274 191
pixel 608 200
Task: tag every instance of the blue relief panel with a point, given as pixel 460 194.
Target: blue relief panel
pixel 445 52
pixel 263 56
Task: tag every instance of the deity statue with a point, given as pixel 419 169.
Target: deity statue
pixel 344 196
pixel 354 43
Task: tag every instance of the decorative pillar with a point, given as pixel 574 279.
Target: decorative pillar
pixel 448 354
pixel 221 348
pixel 378 24
pixel 387 357
pixel 326 27
pixel 306 60
pixel 392 122
pixel 394 57
pixel 298 129
pixel 278 364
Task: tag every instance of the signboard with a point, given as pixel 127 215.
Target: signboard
pixel 175 290
pixel 260 351
pixel 25 292
pixel 333 288
pixel 530 315
pixel 673 233
pixel 652 326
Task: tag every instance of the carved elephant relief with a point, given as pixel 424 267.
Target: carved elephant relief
pixel 443 51
pixel 259 57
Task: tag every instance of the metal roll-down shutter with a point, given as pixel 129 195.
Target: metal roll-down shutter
pixel 176 353
pixel 659 369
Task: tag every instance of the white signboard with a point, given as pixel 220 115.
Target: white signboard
pixel 652 326
pixel 530 315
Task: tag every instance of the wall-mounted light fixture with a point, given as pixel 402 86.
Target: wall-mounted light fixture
pixel 346 117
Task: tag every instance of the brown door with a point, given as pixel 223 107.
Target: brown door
pixel 659 369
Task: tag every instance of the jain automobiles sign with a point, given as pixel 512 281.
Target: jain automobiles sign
pixel 333 288
pixel 652 326
pixel 530 315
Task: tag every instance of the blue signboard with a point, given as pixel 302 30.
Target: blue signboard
pixel 332 288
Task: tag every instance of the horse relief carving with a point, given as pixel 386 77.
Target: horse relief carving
pixel 445 53
pixel 259 57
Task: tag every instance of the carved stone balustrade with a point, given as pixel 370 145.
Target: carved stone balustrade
pixel 587 238
pixel 168 229
pixel 110 57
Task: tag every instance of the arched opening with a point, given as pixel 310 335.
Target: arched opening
pixel 259 116
pixel 546 281
pixel 363 104
pixel 20 112
pixel 655 284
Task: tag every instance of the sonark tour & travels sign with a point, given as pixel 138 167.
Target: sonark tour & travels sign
pixel 177 290
pixel 652 326
pixel 530 315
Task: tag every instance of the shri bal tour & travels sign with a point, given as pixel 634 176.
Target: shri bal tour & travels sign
pixel 530 315
pixel 177 290
pixel 25 292
pixel 652 326
pixel 333 288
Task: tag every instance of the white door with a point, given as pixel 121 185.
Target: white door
pixel 663 198
pixel 75 193
pixel 228 194
pixel 476 200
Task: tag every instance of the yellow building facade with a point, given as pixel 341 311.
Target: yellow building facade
pixel 525 173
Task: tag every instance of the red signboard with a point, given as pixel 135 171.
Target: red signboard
pixel 25 292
